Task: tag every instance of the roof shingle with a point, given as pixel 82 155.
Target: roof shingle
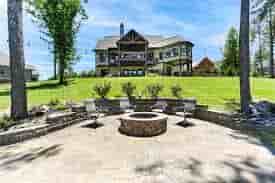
pixel 155 41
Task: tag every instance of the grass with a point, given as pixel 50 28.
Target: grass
pixel 217 92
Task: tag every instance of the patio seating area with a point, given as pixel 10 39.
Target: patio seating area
pixel 202 152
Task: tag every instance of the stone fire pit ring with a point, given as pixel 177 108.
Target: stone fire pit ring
pixel 143 124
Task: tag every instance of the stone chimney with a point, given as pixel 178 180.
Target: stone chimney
pixel 121 30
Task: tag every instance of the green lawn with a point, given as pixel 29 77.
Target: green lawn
pixel 217 92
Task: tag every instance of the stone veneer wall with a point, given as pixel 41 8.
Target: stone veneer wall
pixel 219 117
pixel 55 123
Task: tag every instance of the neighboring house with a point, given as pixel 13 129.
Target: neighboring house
pixel 31 73
pixel 205 67
pixel 133 54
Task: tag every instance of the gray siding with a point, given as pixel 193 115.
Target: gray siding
pixel 5 74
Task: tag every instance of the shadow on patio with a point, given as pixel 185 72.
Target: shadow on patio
pixel 242 170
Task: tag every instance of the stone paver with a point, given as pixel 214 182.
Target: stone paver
pixel 204 152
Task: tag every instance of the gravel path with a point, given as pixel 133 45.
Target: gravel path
pixel 203 152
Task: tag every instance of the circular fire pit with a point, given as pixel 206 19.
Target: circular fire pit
pixel 143 124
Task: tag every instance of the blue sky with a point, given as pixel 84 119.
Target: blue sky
pixel 205 23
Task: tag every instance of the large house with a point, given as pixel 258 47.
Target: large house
pixel 134 54
pixel 31 73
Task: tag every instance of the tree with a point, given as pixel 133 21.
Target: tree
pixel 244 57
pixel 257 36
pixel 261 54
pixel 263 9
pixel 62 20
pixel 17 62
pixel 230 64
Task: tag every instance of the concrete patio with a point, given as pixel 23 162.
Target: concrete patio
pixel 202 152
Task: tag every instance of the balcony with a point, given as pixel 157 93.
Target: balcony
pixel 102 63
pixel 136 56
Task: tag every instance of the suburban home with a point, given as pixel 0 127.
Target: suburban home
pixel 31 73
pixel 205 67
pixel 134 54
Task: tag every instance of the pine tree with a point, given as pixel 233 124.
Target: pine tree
pixel 230 64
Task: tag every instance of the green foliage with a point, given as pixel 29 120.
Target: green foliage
pixel 102 89
pixel 128 89
pixel 60 21
pixel 153 90
pixel 230 65
pixel 5 121
pixel 87 74
pixel 176 90
pixel 54 102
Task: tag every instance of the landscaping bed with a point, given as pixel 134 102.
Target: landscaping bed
pixel 216 92
pixel 40 123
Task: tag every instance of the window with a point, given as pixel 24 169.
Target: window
pixel 2 72
pixel 101 57
pixel 151 56
pixel 183 51
pixel 140 72
pixel 189 51
pixel 168 54
pixel 161 56
pixel 175 52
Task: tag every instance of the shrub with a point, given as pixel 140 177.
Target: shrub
pixel 176 91
pixel 54 102
pixel 5 121
pixel 102 89
pixel 86 74
pixel 153 90
pixel 128 89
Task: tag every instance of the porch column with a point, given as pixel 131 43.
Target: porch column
pixel 146 57
pixel 119 59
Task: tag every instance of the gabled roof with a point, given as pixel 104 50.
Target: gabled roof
pixel 155 41
pixel 133 34
pixel 5 61
pixel 205 62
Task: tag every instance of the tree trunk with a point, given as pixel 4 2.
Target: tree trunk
pixel 271 44
pixel 17 62
pixel 61 65
pixel 61 68
pixel 244 57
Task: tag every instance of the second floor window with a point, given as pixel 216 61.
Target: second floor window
pixel 175 52
pixel 101 57
pixel 168 54
pixel 151 56
pixel 183 51
pixel 161 56
pixel 2 72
